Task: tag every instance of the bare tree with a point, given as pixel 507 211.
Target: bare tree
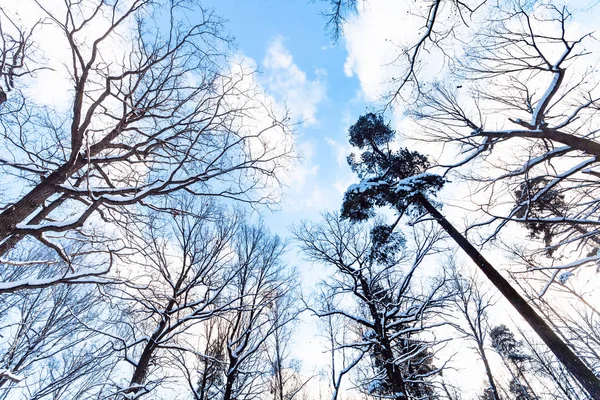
pixel 207 385
pixel 525 112
pixel 343 359
pixel 399 179
pixel 180 272
pixel 556 380
pixel 16 54
pixel 262 308
pixel 441 20
pixel 48 348
pixel 284 379
pixel 473 306
pixel 374 276
pixel 511 351
pixel 156 108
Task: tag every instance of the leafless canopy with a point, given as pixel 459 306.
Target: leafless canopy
pixel 524 109
pixel 388 350
pixel 16 55
pixel 156 107
pixel 441 21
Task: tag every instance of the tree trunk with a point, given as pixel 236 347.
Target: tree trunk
pixel 393 374
pixel 228 395
pixel 143 364
pixel 488 372
pixel 141 370
pixel 36 197
pixel 572 363
pixel 3 96
pixel 530 392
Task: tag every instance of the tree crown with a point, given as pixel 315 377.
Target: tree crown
pixel 393 178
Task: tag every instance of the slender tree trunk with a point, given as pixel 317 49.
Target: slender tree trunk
pixel 450 397
pixel 393 372
pixel 516 376
pixel 394 375
pixel 201 393
pixel 488 372
pixel 572 363
pixel 548 370
pixel 531 392
pixel 3 96
pixel 141 370
pixel 227 395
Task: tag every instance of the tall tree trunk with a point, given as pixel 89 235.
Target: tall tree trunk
pixel 141 370
pixel 488 372
pixel 201 392
pixel 530 391
pixel 393 374
pixel 24 207
pixel 279 366
pixel 572 363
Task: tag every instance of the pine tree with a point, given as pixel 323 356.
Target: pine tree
pixel 399 179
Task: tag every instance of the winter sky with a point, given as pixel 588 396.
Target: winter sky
pixel 299 65
pixel 326 85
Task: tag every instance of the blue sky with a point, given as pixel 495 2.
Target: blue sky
pixel 329 85
pixel 288 42
pixel 295 28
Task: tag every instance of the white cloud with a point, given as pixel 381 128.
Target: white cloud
pixel 298 172
pixel 370 38
pixel 317 198
pixel 302 171
pixel 53 85
pixel 375 38
pixel 342 184
pixel 287 82
pixel 341 150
